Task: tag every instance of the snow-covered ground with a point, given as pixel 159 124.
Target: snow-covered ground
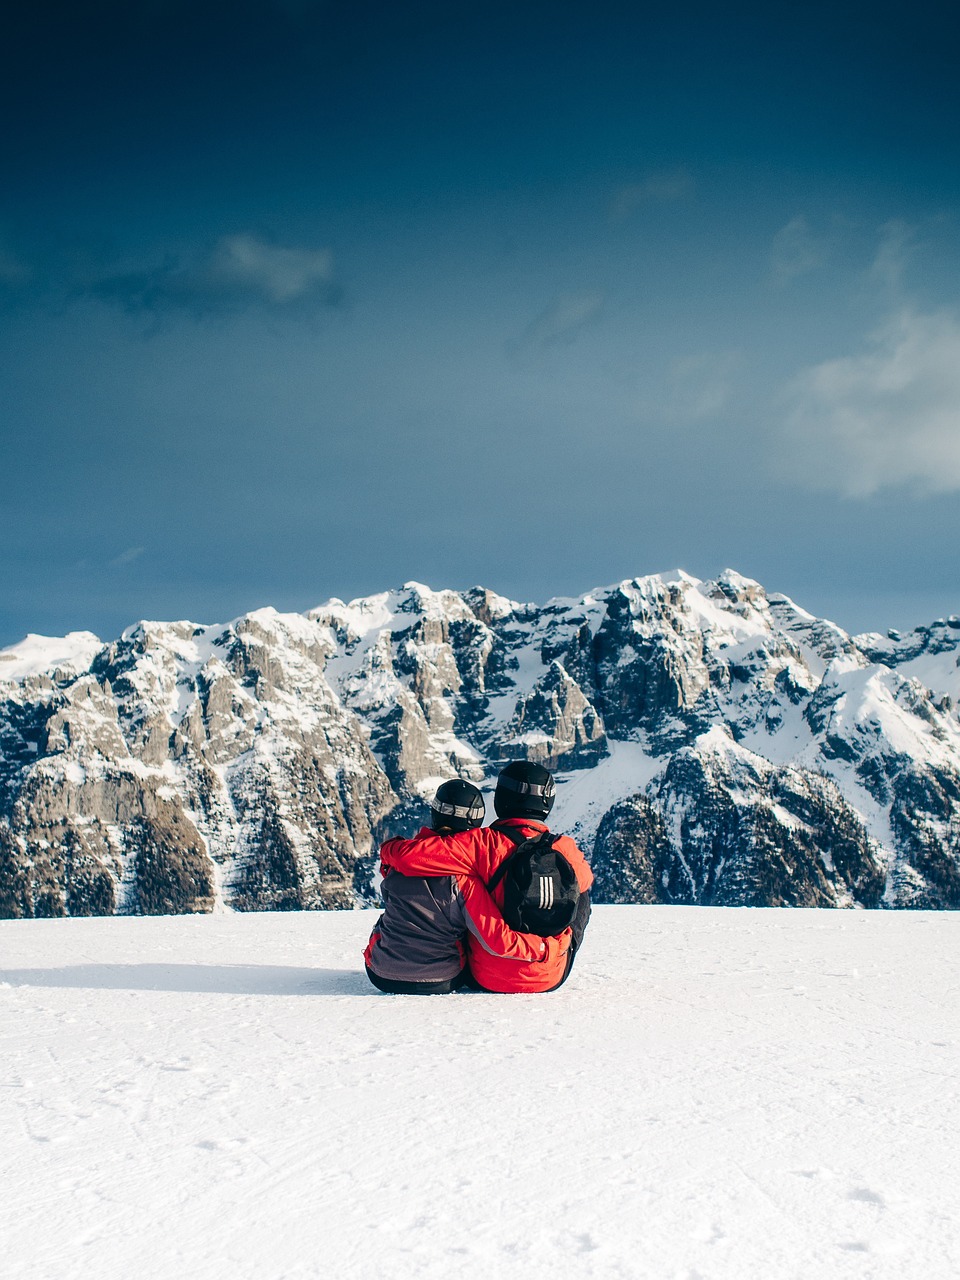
pixel 714 1094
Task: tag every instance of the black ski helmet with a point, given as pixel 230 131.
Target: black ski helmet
pixel 524 790
pixel 458 805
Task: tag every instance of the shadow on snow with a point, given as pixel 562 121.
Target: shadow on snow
pixel 225 979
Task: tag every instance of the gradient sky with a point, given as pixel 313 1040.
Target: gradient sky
pixel 302 299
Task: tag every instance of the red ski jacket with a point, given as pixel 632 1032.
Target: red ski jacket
pixel 500 959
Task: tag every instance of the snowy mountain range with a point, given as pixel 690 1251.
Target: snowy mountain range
pixel 714 744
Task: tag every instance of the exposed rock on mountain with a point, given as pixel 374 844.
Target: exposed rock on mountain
pixel 697 839
pixel 713 745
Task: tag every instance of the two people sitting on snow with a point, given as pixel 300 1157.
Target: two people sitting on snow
pixel 502 908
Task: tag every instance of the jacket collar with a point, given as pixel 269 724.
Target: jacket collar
pixel 535 823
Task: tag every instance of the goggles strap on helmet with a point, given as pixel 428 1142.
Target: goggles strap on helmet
pixel 527 788
pixel 466 812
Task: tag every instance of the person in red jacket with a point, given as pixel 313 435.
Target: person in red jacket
pixel 523 799
pixel 418 945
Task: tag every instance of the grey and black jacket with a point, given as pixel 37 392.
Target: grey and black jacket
pixel 419 937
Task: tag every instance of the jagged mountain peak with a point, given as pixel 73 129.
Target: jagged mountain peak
pixel 704 734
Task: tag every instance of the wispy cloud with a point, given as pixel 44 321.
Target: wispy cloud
pixel 128 556
pixel 797 250
pixel 700 386
pixel 240 272
pixel 655 188
pixel 560 321
pixel 279 275
pixel 897 245
pixel 889 416
pixel 15 272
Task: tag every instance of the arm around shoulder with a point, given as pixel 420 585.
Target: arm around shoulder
pixel 428 854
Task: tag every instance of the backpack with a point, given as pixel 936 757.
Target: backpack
pixel 540 889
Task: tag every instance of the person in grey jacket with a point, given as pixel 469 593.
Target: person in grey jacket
pixel 417 945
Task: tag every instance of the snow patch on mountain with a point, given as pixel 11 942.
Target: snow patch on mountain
pixel 38 655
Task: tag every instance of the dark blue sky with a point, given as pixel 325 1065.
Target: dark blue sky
pixel 303 299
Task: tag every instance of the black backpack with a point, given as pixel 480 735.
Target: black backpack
pixel 540 890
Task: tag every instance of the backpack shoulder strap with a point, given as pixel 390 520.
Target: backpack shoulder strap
pixel 518 842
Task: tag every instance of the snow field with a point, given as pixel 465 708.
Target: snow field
pixel 714 1094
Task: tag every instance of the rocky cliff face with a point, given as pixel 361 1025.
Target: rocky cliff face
pixel 713 745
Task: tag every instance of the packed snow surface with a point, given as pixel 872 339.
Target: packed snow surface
pixel 714 1093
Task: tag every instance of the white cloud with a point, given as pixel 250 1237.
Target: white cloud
pixel 280 275
pixel 887 417
pixel 561 321
pixel 700 386
pixel 128 556
pixel 655 188
pixel 241 272
pixel 796 250
pixel 897 243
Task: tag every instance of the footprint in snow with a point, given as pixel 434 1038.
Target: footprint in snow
pixel 866 1196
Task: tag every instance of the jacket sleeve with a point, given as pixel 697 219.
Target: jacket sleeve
pixel 494 934
pixel 428 854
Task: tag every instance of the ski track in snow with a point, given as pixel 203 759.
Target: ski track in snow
pixel 714 1094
